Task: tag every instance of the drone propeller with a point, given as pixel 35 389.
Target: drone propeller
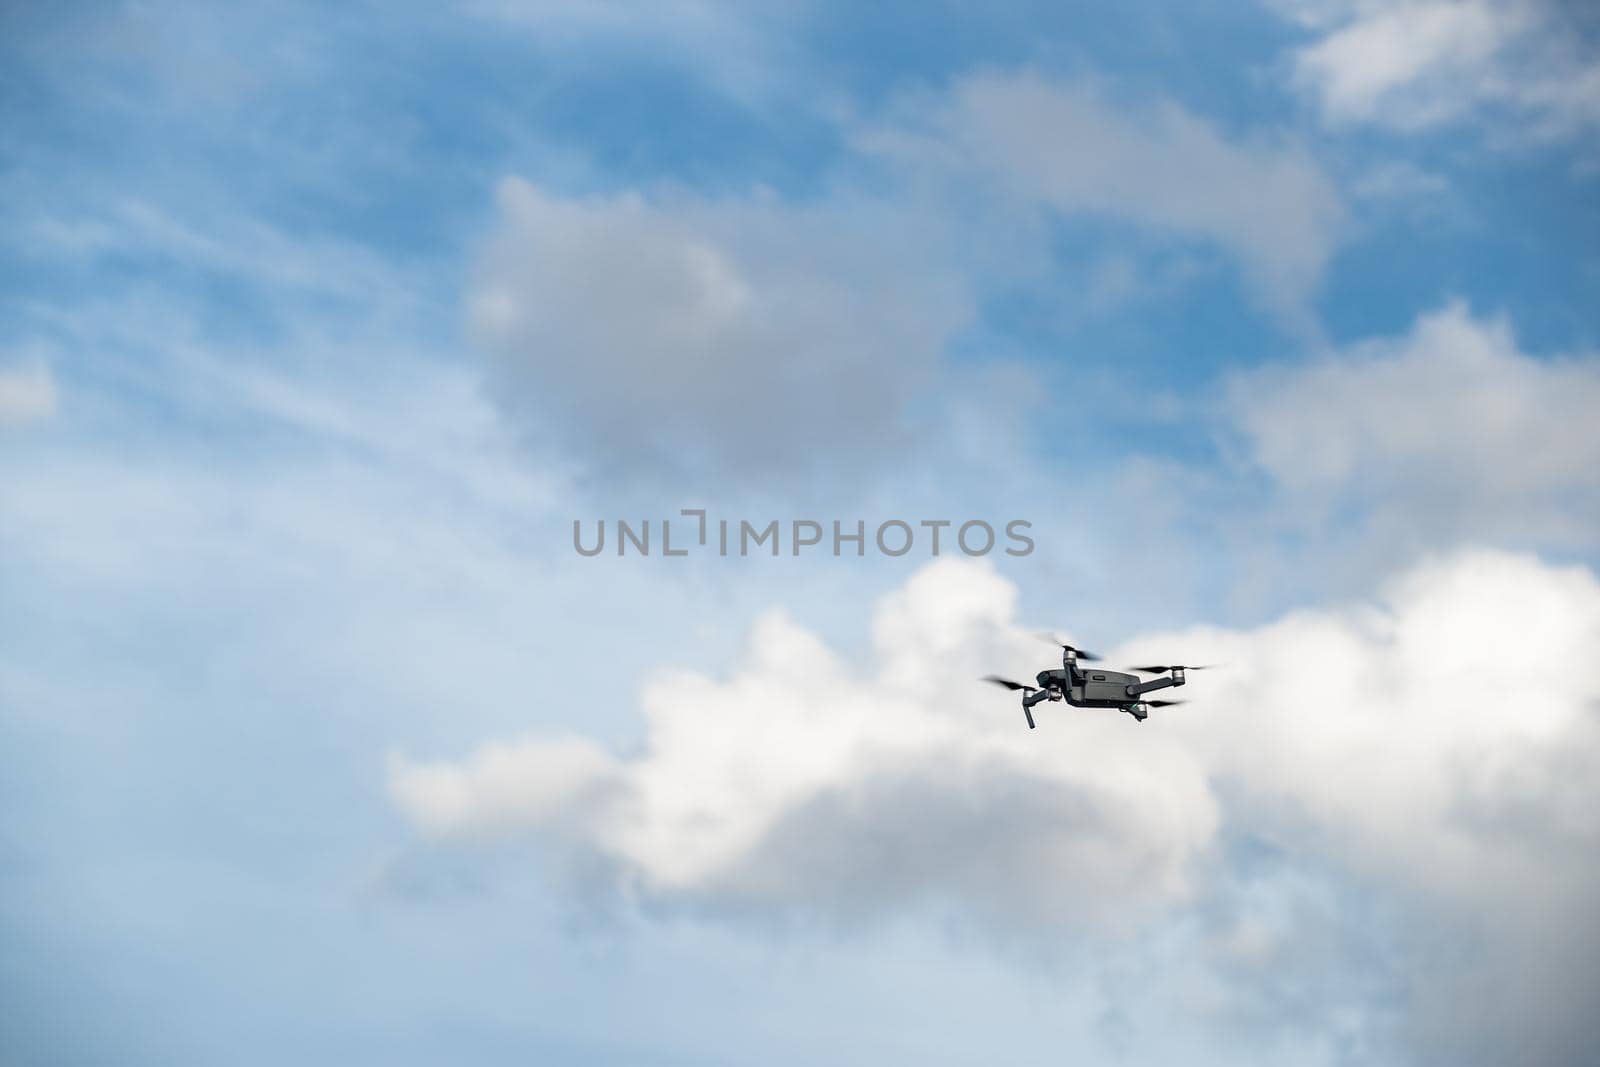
pixel 1055 639
pixel 1165 703
pixel 1008 683
pixel 1173 667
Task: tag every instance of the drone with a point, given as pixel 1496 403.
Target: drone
pixel 1092 687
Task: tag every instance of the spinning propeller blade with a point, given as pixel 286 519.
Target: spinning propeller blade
pixel 1008 683
pixel 1173 667
pixel 1055 639
pixel 1165 703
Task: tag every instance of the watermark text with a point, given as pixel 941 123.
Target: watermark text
pixel 697 533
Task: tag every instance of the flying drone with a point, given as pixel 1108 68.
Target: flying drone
pixel 1093 687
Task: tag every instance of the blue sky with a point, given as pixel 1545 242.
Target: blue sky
pixel 318 742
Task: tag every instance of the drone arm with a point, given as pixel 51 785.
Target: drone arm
pixel 1030 699
pixel 1141 688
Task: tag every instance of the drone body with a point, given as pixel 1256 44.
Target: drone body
pixel 1093 687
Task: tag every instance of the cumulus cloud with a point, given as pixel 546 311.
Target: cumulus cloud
pixel 27 394
pixel 756 338
pixel 805 783
pixel 1409 64
pixel 1064 146
pixel 742 337
pixel 1450 432
pixel 1410 742
pixel 1440 745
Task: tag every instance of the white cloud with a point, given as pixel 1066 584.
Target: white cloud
pixel 757 338
pixel 1409 64
pixel 1450 432
pixel 27 394
pixel 746 337
pixel 1422 733
pixel 802 782
pixel 1411 743
pixel 1064 146
pixel 1440 746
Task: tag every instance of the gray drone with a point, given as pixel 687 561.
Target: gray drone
pixel 1092 687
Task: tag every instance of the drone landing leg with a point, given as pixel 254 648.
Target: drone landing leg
pixel 1029 700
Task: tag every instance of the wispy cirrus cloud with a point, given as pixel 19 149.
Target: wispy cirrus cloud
pixel 27 394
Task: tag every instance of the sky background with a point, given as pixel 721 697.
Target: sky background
pixel 320 325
